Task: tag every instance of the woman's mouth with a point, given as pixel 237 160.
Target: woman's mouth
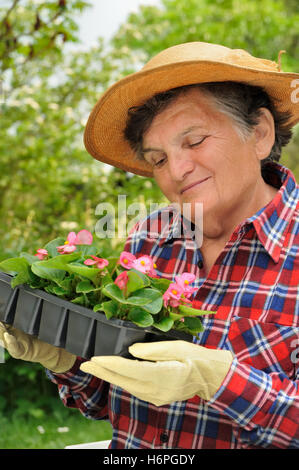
pixel 192 185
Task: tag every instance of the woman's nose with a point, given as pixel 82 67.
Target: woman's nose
pixel 180 165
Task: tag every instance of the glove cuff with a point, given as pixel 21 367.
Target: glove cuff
pixel 62 362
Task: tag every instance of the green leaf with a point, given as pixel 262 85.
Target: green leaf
pixel 193 311
pixel 150 299
pixel 66 283
pixel 51 247
pixel 91 273
pixel 146 280
pixel 161 284
pixel 110 308
pixel 114 292
pixel 18 265
pixel 56 275
pixel 175 316
pixel 50 289
pixel 164 325
pixel 79 300
pixel 30 258
pixel 84 286
pixel 193 324
pixel 59 262
pixel 107 279
pixel 112 262
pixel 97 307
pixel 57 290
pixel 136 281
pixel 87 250
pixel 20 278
pixel 140 317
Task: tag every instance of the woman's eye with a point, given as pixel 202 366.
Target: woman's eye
pixel 198 142
pixel 159 162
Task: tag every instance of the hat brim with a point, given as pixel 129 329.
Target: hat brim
pixel 104 133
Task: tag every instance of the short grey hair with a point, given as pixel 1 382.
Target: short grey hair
pixel 239 101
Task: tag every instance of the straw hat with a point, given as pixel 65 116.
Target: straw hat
pixel 184 64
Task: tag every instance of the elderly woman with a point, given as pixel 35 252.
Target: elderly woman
pixel 208 123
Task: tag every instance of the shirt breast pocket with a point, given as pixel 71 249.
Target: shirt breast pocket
pixel 269 347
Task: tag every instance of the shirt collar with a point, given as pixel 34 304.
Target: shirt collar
pixel 270 222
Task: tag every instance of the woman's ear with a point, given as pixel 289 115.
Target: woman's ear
pixel 264 133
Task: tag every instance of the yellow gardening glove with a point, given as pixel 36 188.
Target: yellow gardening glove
pixel 180 370
pixel 28 348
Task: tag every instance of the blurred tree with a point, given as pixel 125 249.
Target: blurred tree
pixel 33 29
pixel 262 28
pixel 49 183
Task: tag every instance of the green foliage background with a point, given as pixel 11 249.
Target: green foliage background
pixel 49 184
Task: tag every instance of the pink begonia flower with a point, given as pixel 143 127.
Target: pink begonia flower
pixel 126 259
pixel 122 280
pixel 168 301
pixel 175 296
pixel 64 249
pixel 84 237
pixel 172 295
pixel 184 280
pixel 145 265
pixel 100 263
pixel 71 238
pixel 41 253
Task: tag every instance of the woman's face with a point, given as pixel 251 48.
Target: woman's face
pixel 198 156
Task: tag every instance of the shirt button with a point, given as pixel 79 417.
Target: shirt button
pixel 163 437
pixel 200 264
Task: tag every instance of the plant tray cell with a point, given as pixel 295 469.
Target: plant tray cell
pixel 28 312
pixel 73 327
pixel 8 299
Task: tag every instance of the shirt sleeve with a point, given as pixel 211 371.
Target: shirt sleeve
pixel 86 392
pixel 265 406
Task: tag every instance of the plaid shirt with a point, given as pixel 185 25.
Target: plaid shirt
pixel 253 286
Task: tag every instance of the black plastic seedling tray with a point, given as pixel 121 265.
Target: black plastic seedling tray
pixel 77 329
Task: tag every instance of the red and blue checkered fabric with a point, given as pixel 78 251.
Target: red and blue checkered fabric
pixel 253 286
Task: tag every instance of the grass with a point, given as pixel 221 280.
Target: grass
pixel 65 427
